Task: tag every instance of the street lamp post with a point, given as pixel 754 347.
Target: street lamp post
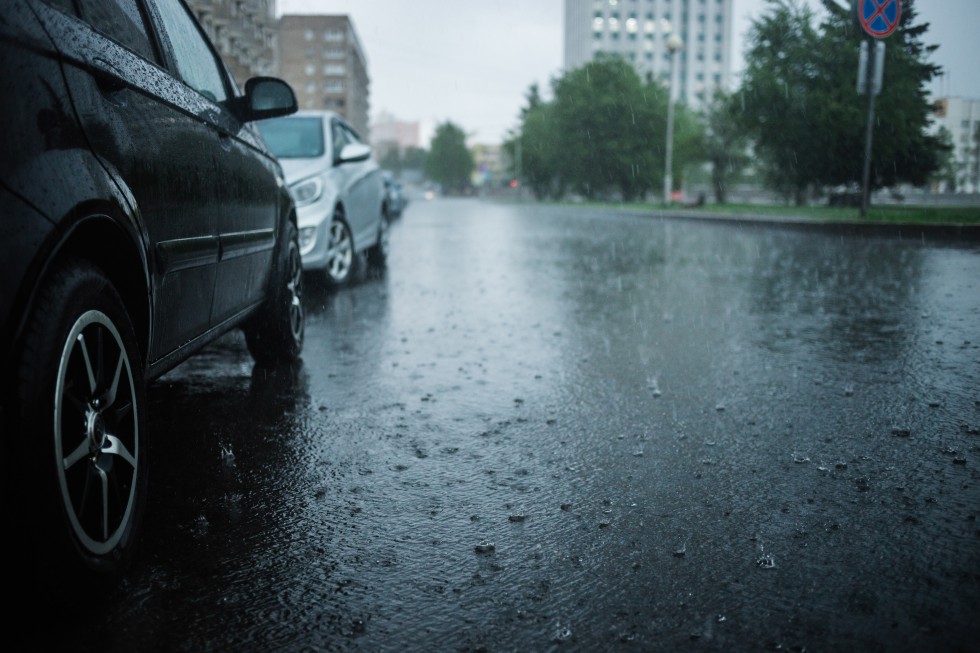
pixel 674 44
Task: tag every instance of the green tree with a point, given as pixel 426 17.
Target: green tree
pixel 904 149
pixel 414 158
pixel 807 120
pixel 610 129
pixel 449 162
pixel 534 148
pixel 776 97
pixel 724 142
pixel 392 160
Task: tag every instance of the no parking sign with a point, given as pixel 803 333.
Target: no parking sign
pixel 878 18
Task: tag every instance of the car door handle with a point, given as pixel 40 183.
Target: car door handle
pixel 107 77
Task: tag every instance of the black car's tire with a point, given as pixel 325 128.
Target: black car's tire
pixel 275 335
pixel 341 257
pixel 79 471
pixel 377 256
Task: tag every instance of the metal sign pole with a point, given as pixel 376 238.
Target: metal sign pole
pixel 879 19
pixel 869 131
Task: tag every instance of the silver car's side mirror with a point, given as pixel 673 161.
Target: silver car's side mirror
pixel 354 152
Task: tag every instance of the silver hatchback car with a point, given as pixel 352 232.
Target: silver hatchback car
pixel 338 189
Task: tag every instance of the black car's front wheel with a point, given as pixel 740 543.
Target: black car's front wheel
pixel 82 476
pixel 275 335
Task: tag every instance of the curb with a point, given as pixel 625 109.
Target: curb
pixel 905 231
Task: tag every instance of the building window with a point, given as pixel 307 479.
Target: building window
pixel 333 35
pixel 333 53
pixel 336 69
pixel 310 69
pixel 310 87
pixel 333 86
pixel 308 35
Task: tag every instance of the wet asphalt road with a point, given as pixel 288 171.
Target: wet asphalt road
pixel 556 430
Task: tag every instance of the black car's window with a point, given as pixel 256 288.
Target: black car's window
pixel 196 62
pixel 294 137
pixel 120 20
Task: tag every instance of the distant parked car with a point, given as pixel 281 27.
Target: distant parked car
pixel 395 194
pixel 141 217
pixel 338 189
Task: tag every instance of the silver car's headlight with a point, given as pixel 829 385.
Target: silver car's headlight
pixel 307 192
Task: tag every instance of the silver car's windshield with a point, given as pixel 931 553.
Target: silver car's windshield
pixel 293 137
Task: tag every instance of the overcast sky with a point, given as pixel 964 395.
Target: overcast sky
pixel 471 61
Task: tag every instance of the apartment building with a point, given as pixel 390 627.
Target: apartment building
pixel 638 30
pixel 388 134
pixel 322 58
pixel 961 117
pixel 244 31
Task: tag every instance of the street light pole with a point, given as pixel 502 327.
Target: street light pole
pixel 674 44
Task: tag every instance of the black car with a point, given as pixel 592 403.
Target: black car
pixel 141 217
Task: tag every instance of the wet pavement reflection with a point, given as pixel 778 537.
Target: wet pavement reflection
pixel 562 429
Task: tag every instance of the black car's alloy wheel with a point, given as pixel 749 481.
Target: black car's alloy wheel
pixel 80 427
pixel 275 334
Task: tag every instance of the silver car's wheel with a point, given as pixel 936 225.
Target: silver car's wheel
pixel 340 253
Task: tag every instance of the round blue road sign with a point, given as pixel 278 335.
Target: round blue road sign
pixel 879 18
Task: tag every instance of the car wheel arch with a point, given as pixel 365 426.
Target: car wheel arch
pixel 102 237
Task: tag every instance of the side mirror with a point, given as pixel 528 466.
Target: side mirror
pixel 265 97
pixel 354 152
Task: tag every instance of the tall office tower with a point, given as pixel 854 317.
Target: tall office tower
pixel 638 31
pixel 322 58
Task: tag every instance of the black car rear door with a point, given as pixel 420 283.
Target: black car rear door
pixel 247 186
